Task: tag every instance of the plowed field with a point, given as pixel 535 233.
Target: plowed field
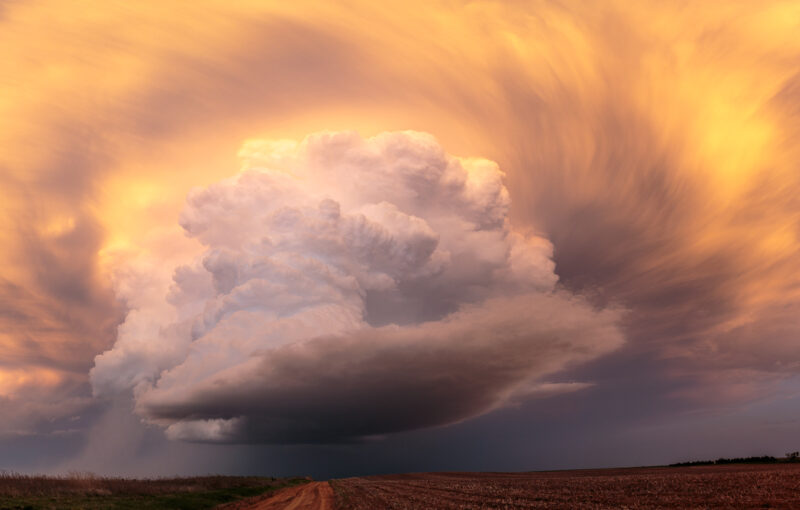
pixel 732 486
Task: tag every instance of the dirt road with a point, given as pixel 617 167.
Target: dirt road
pixel 309 496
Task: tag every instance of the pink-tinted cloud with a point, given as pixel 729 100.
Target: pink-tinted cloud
pixel 349 287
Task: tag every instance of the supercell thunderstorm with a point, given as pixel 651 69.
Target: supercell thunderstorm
pixel 347 288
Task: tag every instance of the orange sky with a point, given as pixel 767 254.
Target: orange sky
pixel 653 143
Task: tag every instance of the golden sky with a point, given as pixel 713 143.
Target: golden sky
pixel 654 144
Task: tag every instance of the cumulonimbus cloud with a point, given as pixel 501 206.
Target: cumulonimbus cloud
pixel 348 288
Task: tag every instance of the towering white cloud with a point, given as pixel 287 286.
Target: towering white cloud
pixel 349 287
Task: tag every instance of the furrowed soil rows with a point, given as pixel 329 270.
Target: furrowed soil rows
pixel 731 486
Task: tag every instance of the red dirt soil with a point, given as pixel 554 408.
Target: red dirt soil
pixel 729 486
pixel 310 496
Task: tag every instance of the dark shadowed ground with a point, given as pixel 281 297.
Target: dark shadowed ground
pixel 89 492
pixel 729 486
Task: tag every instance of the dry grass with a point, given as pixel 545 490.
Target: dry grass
pixel 86 490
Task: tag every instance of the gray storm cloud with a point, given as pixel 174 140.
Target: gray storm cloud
pixel 348 288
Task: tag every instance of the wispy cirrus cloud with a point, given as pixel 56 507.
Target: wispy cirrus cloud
pixel 652 144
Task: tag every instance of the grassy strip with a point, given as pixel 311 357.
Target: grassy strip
pixel 191 496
